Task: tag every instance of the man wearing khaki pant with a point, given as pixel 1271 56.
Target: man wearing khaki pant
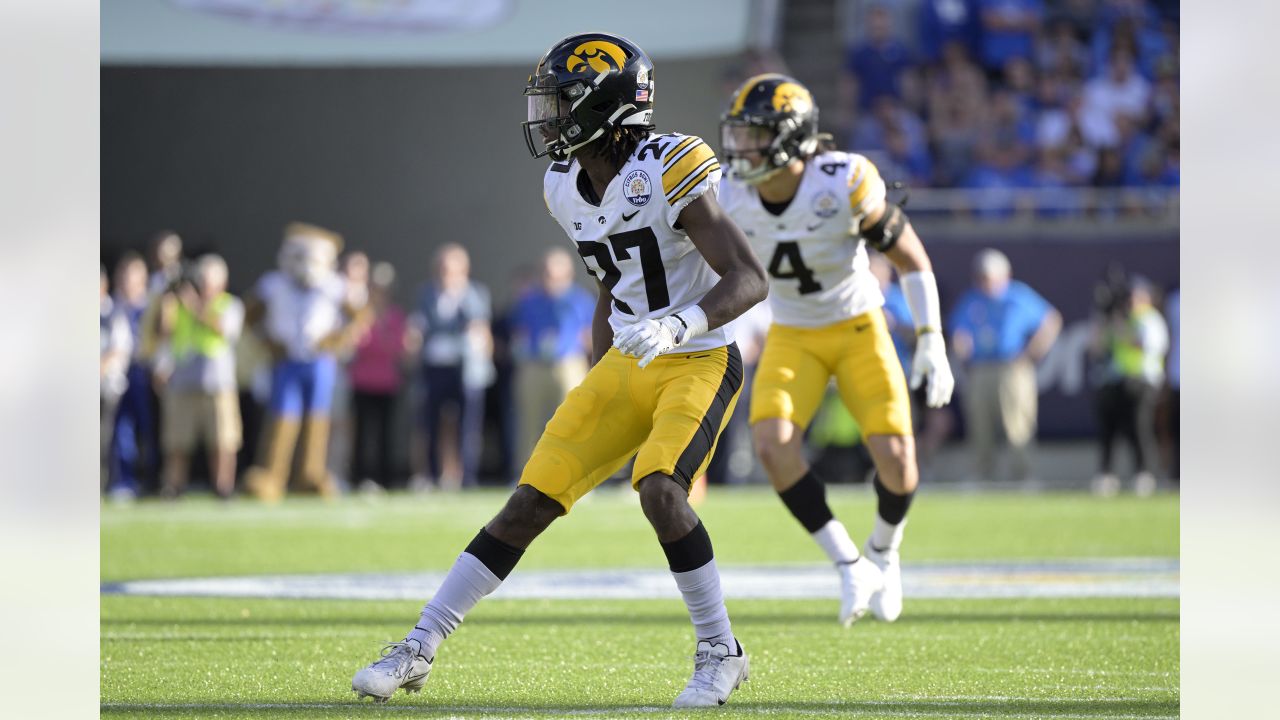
pixel 1000 329
pixel 202 323
pixel 551 323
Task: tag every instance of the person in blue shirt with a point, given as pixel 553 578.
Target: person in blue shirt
pixel 1009 29
pixel 875 67
pixel 944 21
pixel 551 332
pixel 1000 329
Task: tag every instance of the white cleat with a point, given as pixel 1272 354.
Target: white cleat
pixel 1144 484
pixel 1105 485
pixel 399 667
pixel 860 581
pixel 886 605
pixel 716 674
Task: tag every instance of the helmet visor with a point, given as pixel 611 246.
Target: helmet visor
pixel 549 108
pixel 546 104
pixel 746 141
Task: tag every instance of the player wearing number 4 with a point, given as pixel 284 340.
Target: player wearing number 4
pixel 673 270
pixel 809 212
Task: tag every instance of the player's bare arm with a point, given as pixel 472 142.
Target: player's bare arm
pixel 743 282
pixel 887 229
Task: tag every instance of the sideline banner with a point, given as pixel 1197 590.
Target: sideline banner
pixel 361 15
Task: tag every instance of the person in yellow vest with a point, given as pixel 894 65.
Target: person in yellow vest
pixel 202 322
pixel 1136 340
pixel 306 315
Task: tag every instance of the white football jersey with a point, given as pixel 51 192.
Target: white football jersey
pixel 630 242
pixel 818 267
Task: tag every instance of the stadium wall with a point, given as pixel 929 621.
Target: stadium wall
pixel 400 160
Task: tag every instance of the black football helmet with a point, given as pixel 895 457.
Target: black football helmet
pixel 771 117
pixel 584 87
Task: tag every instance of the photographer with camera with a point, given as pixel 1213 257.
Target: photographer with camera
pixel 1130 341
pixel 202 323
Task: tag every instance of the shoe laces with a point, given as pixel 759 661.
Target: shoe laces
pixel 705 666
pixel 397 658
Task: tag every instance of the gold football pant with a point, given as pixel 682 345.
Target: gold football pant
pixel 797 362
pixel 669 415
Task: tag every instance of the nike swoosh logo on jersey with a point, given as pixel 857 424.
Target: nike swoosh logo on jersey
pixel 811 228
pixel 626 217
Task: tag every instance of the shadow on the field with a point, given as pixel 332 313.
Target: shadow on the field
pixel 677 615
pixel 951 707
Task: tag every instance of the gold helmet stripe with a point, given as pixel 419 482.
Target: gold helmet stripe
pixel 747 87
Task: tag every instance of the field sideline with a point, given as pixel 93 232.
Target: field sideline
pixel 1014 657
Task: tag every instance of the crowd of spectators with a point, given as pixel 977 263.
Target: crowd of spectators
pixel 998 95
pixel 318 360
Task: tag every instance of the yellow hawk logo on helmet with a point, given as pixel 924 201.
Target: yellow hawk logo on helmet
pixel 599 55
pixel 790 97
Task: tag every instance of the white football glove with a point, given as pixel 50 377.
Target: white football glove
pixel 930 362
pixel 647 339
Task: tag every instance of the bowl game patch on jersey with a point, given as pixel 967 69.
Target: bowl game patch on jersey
pixel 637 188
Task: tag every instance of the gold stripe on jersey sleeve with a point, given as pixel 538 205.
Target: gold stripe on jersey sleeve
pixel 712 167
pixel 862 183
pixel 694 159
pixel 676 151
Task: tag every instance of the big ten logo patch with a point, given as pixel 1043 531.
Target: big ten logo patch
pixel 826 204
pixel 637 188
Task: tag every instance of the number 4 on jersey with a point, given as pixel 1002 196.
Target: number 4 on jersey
pixel 790 252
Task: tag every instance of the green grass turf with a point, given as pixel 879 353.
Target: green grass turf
pixel 748 527
pixel 229 658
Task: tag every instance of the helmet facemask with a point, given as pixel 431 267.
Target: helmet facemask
pixel 752 151
pixel 551 109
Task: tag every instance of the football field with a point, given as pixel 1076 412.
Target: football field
pixel 1018 606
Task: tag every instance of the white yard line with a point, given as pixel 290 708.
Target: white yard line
pixel 1111 577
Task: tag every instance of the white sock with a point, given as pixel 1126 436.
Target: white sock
pixel 701 591
pixel 835 542
pixel 468 581
pixel 885 536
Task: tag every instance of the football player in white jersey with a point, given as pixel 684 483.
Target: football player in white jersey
pixel 673 269
pixel 808 214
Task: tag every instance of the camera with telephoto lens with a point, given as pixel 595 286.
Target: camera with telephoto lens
pixel 1111 294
